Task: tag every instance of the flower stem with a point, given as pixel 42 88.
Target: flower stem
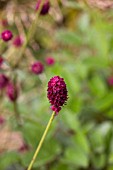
pixel 41 141
pixel 30 33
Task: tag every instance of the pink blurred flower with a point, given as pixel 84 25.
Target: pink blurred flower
pixel 17 42
pixel 50 61
pixel 3 81
pixel 12 92
pixel 37 67
pixel 6 35
pixel 45 7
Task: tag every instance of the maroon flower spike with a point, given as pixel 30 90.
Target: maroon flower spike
pixel 12 92
pixel 37 67
pixel 3 81
pixel 6 35
pixel 18 41
pixel 57 93
pixel 45 7
pixel 50 61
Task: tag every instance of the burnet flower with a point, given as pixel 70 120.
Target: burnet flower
pixel 6 35
pixel 3 81
pixel 45 7
pixel 18 41
pixel 57 93
pixel 12 92
pixel 37 67
pixel 50 61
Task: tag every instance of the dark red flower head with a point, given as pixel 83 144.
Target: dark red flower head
pixel 6 35
pixel 12 92
pixel 45 7
pixel 37 67
pixel 57 93
pixel 3 81
pixel 18 41
pixel 50 61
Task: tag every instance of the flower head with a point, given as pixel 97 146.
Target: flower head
pixel 18 41
pixel 37 67
pixel 50 61
pixel 45 7
pixel 57 93
pixel 12 92
pixel 3 81
pixel 6 35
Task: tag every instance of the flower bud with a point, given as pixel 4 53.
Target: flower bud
pixel 3 81
pixel 37 67
pixel 12 92
pixel 17 42
pixel 50 61
pixel 6 35
pixel 45 7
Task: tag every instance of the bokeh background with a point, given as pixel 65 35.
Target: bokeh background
pixel 78 35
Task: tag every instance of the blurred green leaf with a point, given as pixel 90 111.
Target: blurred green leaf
pixel 7 159
pixel 68 38
pixel 77 154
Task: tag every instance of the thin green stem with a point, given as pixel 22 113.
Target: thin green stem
pixel 41 141
pixel 30 32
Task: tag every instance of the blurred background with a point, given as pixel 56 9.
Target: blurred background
pixel 74 40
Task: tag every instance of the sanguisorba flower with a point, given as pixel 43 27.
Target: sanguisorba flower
pixel 45 7
pixel 3 81
pixel 17 42
pixel 57 93
pixel 6 35
pixel 50 61
pixel 12 92
pixel 37 67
